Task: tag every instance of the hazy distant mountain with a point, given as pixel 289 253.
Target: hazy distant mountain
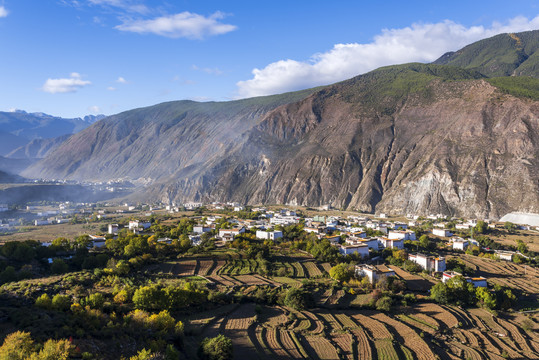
pixel 37 148
pixel 18 128
pixel 409 138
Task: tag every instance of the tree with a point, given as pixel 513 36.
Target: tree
pixel 298 299
pixel 485 298
pixel 481 227
pixel 384 304
pixel 61 302
pixel 17 346
pixel 149 297
pixel 44 301
pixel 461 291
pixel 217 348
pixel 341 272
pixel 440 293
pixel 59 266
pixel 20 346
pixel 509 226
pixel 122 268
pixel 424 242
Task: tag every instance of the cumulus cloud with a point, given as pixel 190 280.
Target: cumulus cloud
pixel 66 85
pixel 121 80
pixel 183 25
pixel 3 12
pixel 111 88
pixel 420 42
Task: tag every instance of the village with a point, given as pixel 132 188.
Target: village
pixel 266 275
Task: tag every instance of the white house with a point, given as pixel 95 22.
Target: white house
pixel 195 240
pixel 429 263
pixel 135 224
pixel 505 255
pixel 372 273
pixel 269 235
pixel 97 241
pixel 199 229
pixel 372 243
pixel 476 281
pixel 442 232
pixel 41 222
pixel 401 235
pixel 284 220
pixel 230 233
pixel 391 243
pixel 316 230
pixel 460 244
pixel 361 249
pixel 113 229
pixel 334 239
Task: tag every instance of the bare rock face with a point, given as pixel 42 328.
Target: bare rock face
pixel 405 139
pixel 460 148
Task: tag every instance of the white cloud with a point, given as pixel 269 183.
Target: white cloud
pixel 421 42
pixel 121 80
pixel 94 109
pixel 111 88
pixel 130 6
pixel 183 25
pixel 3 12
pixel 211 71
pixel 66 85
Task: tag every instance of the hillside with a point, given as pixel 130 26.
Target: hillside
pixel 37 148
pixel 155 142
pixel 501 55
pixel 423 141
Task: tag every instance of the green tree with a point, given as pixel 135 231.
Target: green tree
pixel 217 348
pixel 481 227
pixel 485 298
pixel 61 302
pixel 17 346
pixel 341 272
pixel 44 301
pixel 384 303
pixel 440 293
pixel 149 298
pixel 59 266
pixel 298 299
pixel 424 242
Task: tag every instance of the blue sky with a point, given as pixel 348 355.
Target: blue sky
pixel 72 58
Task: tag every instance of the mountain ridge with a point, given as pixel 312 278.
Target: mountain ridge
pixel 421 138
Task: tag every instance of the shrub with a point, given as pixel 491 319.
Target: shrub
pixel 44 301
pixel 61 302
pixel 217 348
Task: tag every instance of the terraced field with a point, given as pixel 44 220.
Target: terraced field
pixel 448 333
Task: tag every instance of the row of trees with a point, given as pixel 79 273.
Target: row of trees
pixel 461 292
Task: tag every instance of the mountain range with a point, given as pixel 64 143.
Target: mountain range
pixel 19 128
pixel 459 136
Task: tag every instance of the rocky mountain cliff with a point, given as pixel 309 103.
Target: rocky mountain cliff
pixel 412 138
